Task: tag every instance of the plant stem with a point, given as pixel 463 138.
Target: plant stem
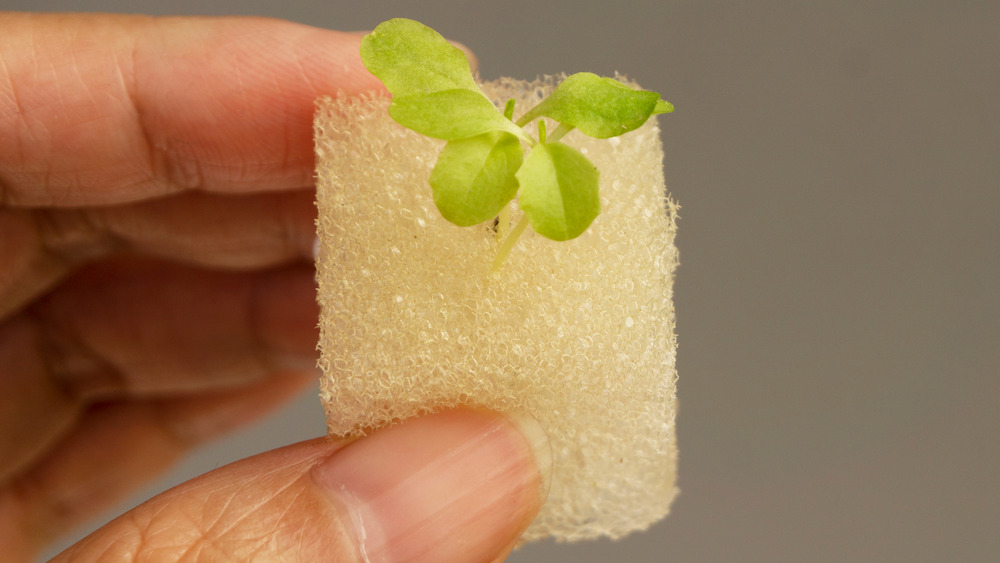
pixel 531 114
pixel 508 243
pixel 560 132
pixel 503 222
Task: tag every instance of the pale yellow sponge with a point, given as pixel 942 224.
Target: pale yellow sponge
pixel 579 334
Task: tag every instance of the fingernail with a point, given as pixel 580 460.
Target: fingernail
pixel 454 486
pixel 285 313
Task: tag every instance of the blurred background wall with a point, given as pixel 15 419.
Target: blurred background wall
pixel 838 167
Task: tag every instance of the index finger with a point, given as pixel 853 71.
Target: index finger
pixel 101 109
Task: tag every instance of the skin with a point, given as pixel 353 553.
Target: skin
pixel 156 291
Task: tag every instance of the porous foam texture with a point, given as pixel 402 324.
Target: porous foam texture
pixel 578 334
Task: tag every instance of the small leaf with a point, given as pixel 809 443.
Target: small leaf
pixel 474 177
pixel 598 106
pixel 450 114
pixel 411 58
pixel 559 191
pixel 663 106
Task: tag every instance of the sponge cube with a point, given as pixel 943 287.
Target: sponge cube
pixel 577 334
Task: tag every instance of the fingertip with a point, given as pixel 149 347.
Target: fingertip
pixel 473 60
pixel 412 489
pixel 286 316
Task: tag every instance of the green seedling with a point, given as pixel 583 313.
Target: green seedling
pixel 483 166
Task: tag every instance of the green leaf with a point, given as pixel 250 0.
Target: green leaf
pixel 559 191
pixel 598 106
pixel 474 177
pixel 450 114
pixel 663 106
pixel 411 58
pixel 483 166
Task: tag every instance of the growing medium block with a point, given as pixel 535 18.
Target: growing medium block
pixel 578 334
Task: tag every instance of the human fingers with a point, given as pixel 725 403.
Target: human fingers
pixel 113 448
pixel 103 109
pixel 454 486
pixel 141 329
pixel 212 230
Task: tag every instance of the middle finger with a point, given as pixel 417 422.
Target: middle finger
pixel 143 329
pixel 40 246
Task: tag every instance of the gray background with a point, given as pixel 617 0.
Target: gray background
pixel 838 165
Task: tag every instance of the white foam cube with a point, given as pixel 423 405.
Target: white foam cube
pixel 578 334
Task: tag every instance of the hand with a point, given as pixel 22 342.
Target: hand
pixel 156 290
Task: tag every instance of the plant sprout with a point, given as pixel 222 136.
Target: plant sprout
pixel 483 166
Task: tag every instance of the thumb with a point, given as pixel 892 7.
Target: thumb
pixel 454 486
